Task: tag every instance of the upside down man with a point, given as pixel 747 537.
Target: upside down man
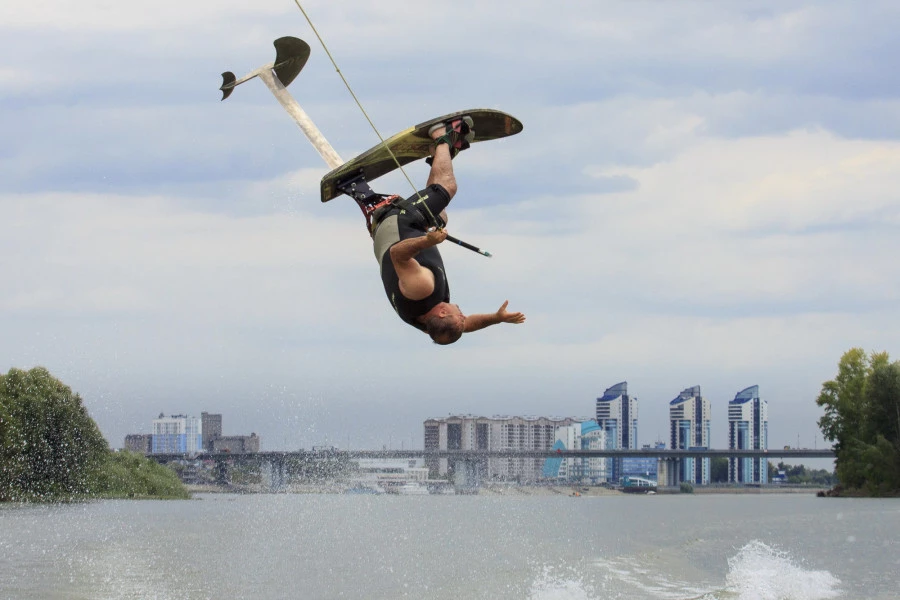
pixel 406 235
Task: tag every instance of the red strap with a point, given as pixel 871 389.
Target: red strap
pixel 368 209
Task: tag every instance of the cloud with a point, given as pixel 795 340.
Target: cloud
pixel 100 15
pixel 702 194
pixel 729 225
pixel 708 261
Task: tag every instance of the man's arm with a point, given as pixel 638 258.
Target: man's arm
pixel 416 282
pixel 476 322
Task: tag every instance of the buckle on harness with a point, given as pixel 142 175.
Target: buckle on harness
pixel 368 201
pixel 369 210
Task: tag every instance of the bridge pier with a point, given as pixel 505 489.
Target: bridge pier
pixel 667 472
pixel 274 474
pixel 467 475
pixel 222 472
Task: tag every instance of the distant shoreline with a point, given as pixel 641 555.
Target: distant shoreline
pixel 512 490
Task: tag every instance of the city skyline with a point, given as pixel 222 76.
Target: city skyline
pixel 611 395
pixel 188 434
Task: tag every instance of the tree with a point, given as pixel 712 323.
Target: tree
pixel 800 474
pixel 883 402
pixel 718 472
pixel 49 445
pixel 862 418
pixel 844 397
pixel 51 449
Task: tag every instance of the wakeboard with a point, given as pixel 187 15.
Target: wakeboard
pixel 413 144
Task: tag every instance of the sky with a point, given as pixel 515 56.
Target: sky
pixel 703 194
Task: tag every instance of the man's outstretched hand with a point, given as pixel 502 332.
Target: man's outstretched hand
pixel 476 322
pixel 509 317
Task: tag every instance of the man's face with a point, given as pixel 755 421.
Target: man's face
pixel 454 312
pixel 450 313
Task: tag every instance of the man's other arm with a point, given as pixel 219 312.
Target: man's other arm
pixel 476 322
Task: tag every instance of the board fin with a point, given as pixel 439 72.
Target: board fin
pixel 228 80
pixel 291 55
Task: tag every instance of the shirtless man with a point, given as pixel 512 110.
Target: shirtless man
pixel 406 235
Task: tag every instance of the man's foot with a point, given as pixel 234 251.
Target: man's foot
pixel 456 133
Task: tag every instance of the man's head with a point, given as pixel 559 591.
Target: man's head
pixel 446 324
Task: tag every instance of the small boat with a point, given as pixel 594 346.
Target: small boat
pixel 638 485
pixel 412 488
pixel 363 489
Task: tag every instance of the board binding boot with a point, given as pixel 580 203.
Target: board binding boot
pixel 458 134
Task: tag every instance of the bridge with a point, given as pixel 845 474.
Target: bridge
pixel 279 465
pixel 485 454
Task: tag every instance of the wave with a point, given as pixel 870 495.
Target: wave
pixel 550 585
pixel 756 572
pixel 760 572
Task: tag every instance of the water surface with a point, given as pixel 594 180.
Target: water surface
pixel 544 547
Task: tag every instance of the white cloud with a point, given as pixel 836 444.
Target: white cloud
pixel 104 15
pixel 702 194
pixel 721 228
pixel 779 218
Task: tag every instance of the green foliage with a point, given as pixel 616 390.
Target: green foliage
pixel 131 475
pixel 51 449
pixel 800 475
pixel 686 487
pixel 718 472
pixel 862 418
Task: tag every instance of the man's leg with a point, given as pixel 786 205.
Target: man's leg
pixel 442 167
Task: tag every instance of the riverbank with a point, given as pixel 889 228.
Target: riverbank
pixel 507 490
pixel 747 490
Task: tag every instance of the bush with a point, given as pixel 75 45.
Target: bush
pixel 686 487
pixel 131 475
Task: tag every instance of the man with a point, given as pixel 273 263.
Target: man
pixel 406 235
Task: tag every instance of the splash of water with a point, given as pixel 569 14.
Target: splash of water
pixel 756 572
pixel 550 585
pixel 760 572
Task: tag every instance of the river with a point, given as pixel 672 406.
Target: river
pixel 277 546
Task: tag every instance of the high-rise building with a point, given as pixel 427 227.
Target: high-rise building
pixel 689 429
pixel 176 434
pixel 617 415
pixel 643 467
pixel 235 444
pixel 139 442
pixel 468 432
pixel 578 436
pixel 211 424
pixel 748 429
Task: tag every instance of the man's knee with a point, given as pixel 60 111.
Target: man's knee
pixel 450 186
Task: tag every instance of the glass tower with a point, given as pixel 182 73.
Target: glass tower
pixel 689 429
pixel 617 415
pixel 748 429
